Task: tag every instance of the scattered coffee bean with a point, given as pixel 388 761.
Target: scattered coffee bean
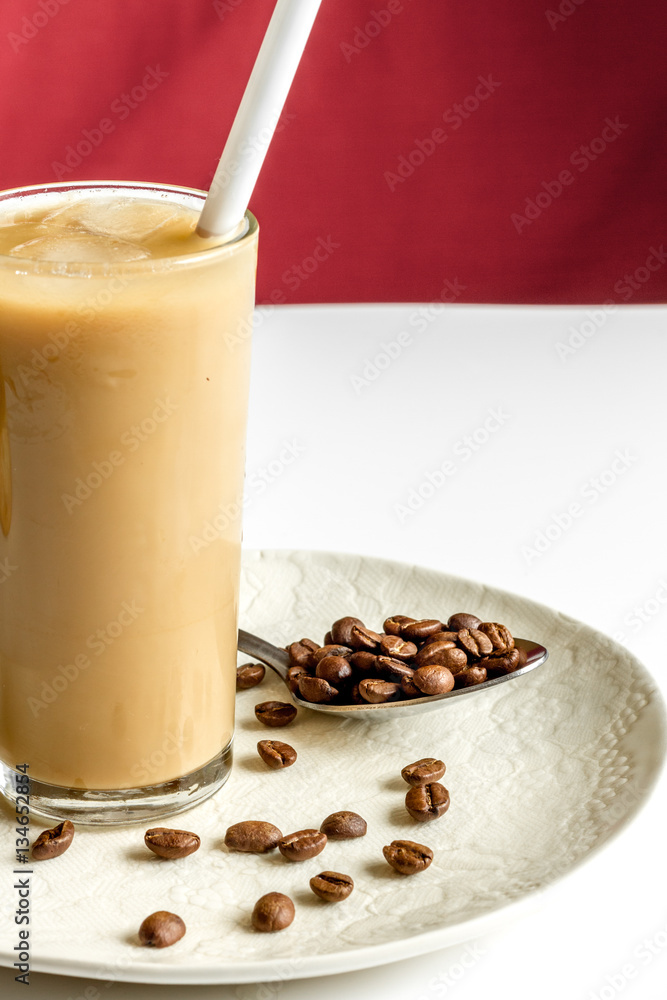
pixel 54 842
pixel 249 675
pixel 275 713
pixel 399 649
pixel 276 754
pixel 167 843
pixel 253 837
pixel 331 886
pixel 421 629
pixel 433 679
pixel 433 652
pixel 475 643
pixel 393 670
pixel 341 631
pixel 407 857
pixel 273 912
pixel 376 692
pixel 496 666
pixel 426 802
pixel 161 929
pixel 470 676
pixel 500 636
pixel 332 649
pixel 423 771
pixel 302 845
pixel 316 689
pixel 344 825
pixel 293 674
pixel 394 623
pixel 334 669
pixel 364 638
pixel 364 662
pixel 462 620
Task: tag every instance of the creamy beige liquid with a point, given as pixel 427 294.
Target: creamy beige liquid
pixel 123 409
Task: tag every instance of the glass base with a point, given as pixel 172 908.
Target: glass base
pixel 109 807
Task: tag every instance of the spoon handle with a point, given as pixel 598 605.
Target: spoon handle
pixel 262 650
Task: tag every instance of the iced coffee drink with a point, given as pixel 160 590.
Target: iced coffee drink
pixel 124 355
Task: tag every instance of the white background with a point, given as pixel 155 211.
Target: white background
pixel 342 435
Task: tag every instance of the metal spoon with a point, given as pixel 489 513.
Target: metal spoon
pixel 278 660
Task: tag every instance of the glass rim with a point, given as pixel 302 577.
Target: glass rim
pixel 72 268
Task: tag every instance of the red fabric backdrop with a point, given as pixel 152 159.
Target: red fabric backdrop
pixel 511 151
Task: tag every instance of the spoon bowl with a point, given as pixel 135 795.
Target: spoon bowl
pixel 278 660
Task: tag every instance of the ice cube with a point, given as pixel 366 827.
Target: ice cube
pixel 124 218
pixel 79 248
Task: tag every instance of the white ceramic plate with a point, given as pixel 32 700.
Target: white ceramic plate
pixel 541 773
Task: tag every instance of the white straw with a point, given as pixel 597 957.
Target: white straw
pixel 257 117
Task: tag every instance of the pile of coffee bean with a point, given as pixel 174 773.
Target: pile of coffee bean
pixel 411 658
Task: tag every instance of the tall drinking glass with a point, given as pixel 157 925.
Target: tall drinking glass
pixel 124 356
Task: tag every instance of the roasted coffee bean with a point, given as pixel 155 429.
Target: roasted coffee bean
pixel 328 639
pixel 364 638
pixel 394 623
pixel 364 662
pixel 302 845
pixel 500 636
pixel 54 842
pixel 423 771
pixel 409 689
pixel 334 669
pixel 470 676
pixel 355 697
pixel 273 912
pixel 376 691
pixel 462 620
pixel 397 648
pixel 427 802
pixel 441 637
pixel 168 843
pixel 496 666
pixel 475 643
pixel 275 713
pixel 300 655
pixel 393 670
pixel 276 754
pixel 331 886
pixel 421 629
pixel 344 825
pixel 451 657
pixel 161 929
pixel 253 837
pixel 341 630
pixel 316 689
pixel 433 679
pixel 433 652
pixel 407 857
pixel 249 675
pixel 331 650
pixel 293 674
